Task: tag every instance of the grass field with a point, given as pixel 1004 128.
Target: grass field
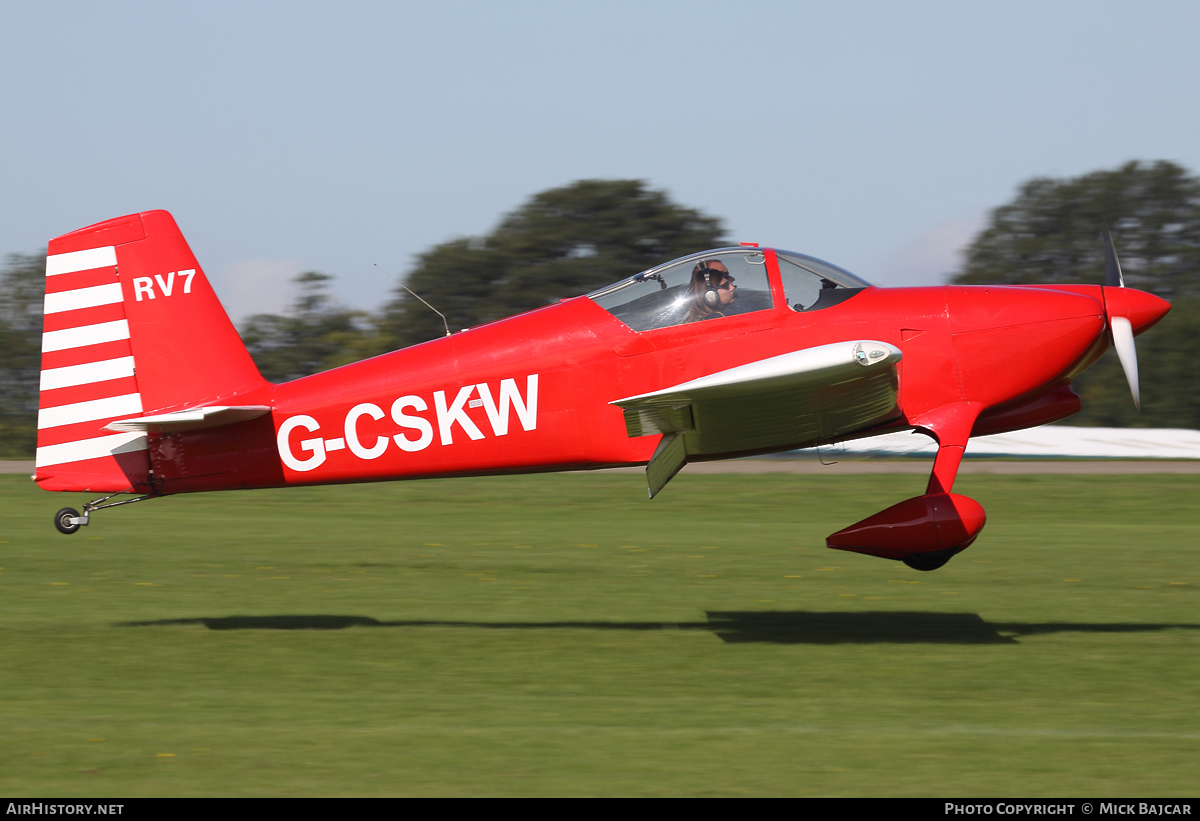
pixel 561 635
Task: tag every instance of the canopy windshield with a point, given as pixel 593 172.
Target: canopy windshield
pixel 811 284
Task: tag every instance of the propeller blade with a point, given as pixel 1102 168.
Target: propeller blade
pixel 1112 265
pixel 1122 336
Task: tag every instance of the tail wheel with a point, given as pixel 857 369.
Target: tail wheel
pixel 64 520
pixel 930 561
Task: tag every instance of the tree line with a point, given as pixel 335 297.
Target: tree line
pixel 581 237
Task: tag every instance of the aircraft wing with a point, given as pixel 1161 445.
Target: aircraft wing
pixel 794 400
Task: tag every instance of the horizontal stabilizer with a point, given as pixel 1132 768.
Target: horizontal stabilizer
pixel 193 419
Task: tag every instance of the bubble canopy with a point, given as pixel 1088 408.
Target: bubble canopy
pixel 720 283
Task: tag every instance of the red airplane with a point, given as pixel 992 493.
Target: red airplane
pixel 146 388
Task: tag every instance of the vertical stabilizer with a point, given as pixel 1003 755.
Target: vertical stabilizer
pixel 131 327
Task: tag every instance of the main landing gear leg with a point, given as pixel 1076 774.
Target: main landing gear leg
pixel 69 521
pixel 951 427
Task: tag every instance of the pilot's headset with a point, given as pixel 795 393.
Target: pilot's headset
pixel 712 298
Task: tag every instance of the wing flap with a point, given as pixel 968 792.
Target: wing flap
pixel 669 458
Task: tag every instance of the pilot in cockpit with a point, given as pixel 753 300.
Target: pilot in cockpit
pixel 711 291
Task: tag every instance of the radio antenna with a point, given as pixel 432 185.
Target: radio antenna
pixel 414 293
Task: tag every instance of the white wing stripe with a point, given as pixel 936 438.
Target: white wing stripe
pixel 83 298
pixel 90 449
pixel 85 335
pixel 81 260
pixel 88 411
pixel 87 374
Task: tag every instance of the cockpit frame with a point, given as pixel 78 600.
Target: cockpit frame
pixel 823 286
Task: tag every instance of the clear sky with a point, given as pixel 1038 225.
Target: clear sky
pixel 296 136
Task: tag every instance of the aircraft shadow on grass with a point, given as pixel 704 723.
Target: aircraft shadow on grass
pixel 772 627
